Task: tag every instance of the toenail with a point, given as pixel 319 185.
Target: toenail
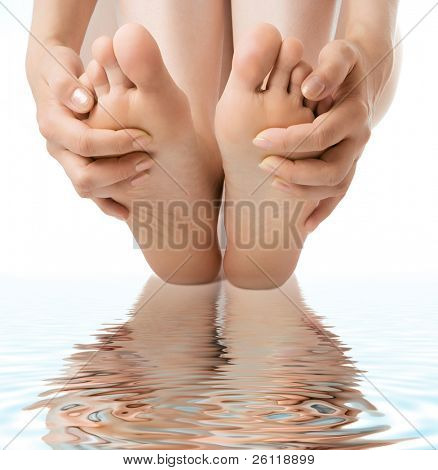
pixel 313 87
pixel 262 143
pixel 143 165
pixel 79 97
pixel 140 143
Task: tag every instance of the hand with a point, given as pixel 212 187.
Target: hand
pixel 340 131
pixel 60 99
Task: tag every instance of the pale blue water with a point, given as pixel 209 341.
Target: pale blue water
pixel 215 367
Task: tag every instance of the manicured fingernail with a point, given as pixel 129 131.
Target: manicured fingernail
pixel 262 142
pixel 141 142
pixel 139 180
pixel 280 184
pixel 143 165
pixel 313 87
pixel 80 98
pixel 267 166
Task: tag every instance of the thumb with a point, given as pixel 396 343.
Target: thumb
pixel 64 68
pixel 335 62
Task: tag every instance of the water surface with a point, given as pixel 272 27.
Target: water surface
pixel 216 367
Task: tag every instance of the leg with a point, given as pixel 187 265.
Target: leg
pixel 312 22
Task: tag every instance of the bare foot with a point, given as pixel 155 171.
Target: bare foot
pixel 265 227
pixel 172 214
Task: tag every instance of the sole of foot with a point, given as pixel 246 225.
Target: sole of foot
pixel 264 226
pixel 135 90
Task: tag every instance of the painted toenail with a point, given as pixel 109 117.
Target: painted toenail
pixel 140 143
pixel 79 97
pixel 313 87
pixel 143 165
pixel 262 143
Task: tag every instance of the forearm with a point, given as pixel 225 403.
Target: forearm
pixel 57 23
pixel 371 26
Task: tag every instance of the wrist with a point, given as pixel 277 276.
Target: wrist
pixel 376 58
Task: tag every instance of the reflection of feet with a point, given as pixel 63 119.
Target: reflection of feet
pixel 243 111
pixel 135 89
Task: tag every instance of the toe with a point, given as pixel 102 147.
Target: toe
pixel 139 57
pixel 97 76
pixel 255 56
pixel 297 77
pixel 103 53
pixel 290 54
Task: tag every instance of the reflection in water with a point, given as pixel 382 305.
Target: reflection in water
pixel 209 367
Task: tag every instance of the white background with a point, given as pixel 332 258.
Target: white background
pixel 385 227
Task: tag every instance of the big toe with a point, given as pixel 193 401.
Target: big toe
pixel 255 56
pixel 139 56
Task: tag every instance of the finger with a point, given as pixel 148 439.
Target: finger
pixel 308 193
pixel 89 176
pixel 324 105
pixel 326 130
pixel 328 170
pixel 327 206
pixel 57 124
pixel 112 208
pixel 63 69
pixel 321 212
pixel 335 62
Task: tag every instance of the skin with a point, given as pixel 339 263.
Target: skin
pixel 134 88
pixel 350 106
pixel 261 251
pixel 53 69
pixel 345 109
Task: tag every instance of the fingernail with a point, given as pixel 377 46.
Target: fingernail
pixel 280 184
pixel 267 166
pixel 139 180
pixel 141 142
pixel 313 87
pixel 79 97
pixel 262 142
pixel 143 165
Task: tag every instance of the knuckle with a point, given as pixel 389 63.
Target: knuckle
pixel 58 84
pixel 367 134
pixel 333 177
pixel 45 125
pixel 322 138
pixel 51 148
pixel 85 146
pixel 83 184
pixel 346 50
pixel 124 168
